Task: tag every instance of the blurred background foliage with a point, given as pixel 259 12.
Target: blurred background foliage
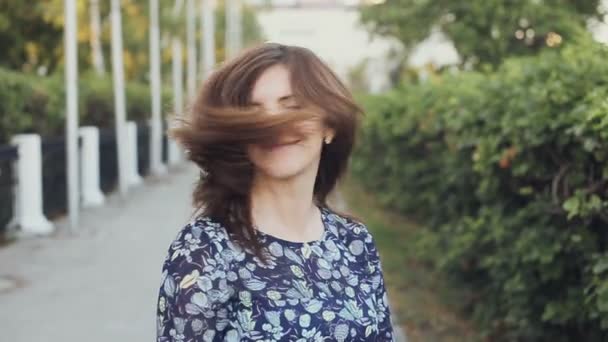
pixel 33 34
pixel 31 62
pixel 484 32
pixel 502 162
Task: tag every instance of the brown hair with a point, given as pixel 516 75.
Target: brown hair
pixel 222 122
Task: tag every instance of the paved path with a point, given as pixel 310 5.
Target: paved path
pixel 101 283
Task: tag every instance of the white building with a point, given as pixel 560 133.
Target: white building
pixel 331 28
pixel 333 32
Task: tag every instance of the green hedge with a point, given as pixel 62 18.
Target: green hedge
pixel 509 172
pixel 29 103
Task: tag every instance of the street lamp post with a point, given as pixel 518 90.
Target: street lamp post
pixel 156 136
pixel 174 152
pixel 208 36
pixel 191 46
pixel 233 27
pixel 119 96
pixel 71 84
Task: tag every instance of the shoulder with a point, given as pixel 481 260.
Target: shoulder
pixel 201 230
pixel 355 237
pixel 196 234
pixel 351 231
pixel 346 225
pixel 201 242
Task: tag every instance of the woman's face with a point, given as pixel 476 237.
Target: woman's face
pixel 294 155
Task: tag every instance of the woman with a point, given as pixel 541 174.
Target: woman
pixel 265 258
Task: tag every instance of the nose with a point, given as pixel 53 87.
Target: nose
pixel 272 109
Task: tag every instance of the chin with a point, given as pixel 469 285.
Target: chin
pixel 282 170
pixel 283 163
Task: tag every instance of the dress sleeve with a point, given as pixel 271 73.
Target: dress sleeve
pixel 383 312
pixel 193 295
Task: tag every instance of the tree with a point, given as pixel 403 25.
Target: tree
pixel 31 34
pixel 29 39
pixel 484 31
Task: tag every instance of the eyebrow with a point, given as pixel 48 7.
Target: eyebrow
pixel 281 99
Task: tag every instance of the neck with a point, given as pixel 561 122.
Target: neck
pixel 284 204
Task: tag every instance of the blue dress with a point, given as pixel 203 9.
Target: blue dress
pixel 331 289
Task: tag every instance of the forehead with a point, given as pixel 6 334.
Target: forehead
pixel 272 84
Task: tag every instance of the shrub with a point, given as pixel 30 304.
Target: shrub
pixel 509 171
pixel 29 103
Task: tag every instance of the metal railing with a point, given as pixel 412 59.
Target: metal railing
pixel 165 155
pixel 54 176
pixel 143 148
pixel 108 160
pixel 8 155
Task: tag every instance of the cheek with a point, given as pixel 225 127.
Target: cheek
pixel 311 143
pixel 253 152
pixel 303 153
pixel 313 127
pixel 311 132
pixel 293 157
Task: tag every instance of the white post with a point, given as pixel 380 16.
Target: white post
pixel 174 151
pixel 96 51
pixel 229 29
pixel 28 210
pixel 201 62
pixel 178 98
pixel 238 25
pixel 131 148
pixel 233 27
pixel 191 44
pixel 71 122
pixel 92 196
pixel 208 40
pixel 156 135
pixel 119 96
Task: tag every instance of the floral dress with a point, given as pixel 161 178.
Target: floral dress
pixel 331 289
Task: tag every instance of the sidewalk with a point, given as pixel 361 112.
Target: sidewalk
pixel 101 283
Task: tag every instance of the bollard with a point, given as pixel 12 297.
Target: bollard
pixel 132 165
pixel 91 195
pixel 28 211
pixel 175 153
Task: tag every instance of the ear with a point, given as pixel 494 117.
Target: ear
pixel 329 134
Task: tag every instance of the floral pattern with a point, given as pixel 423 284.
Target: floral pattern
pixel 331 289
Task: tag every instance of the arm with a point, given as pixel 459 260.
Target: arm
pixel 383 312
pixel 193 295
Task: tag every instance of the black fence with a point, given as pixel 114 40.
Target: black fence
pixel 54 179
pixel 143 148
pixel 8 155
pixel 108 160
pixel 165 148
